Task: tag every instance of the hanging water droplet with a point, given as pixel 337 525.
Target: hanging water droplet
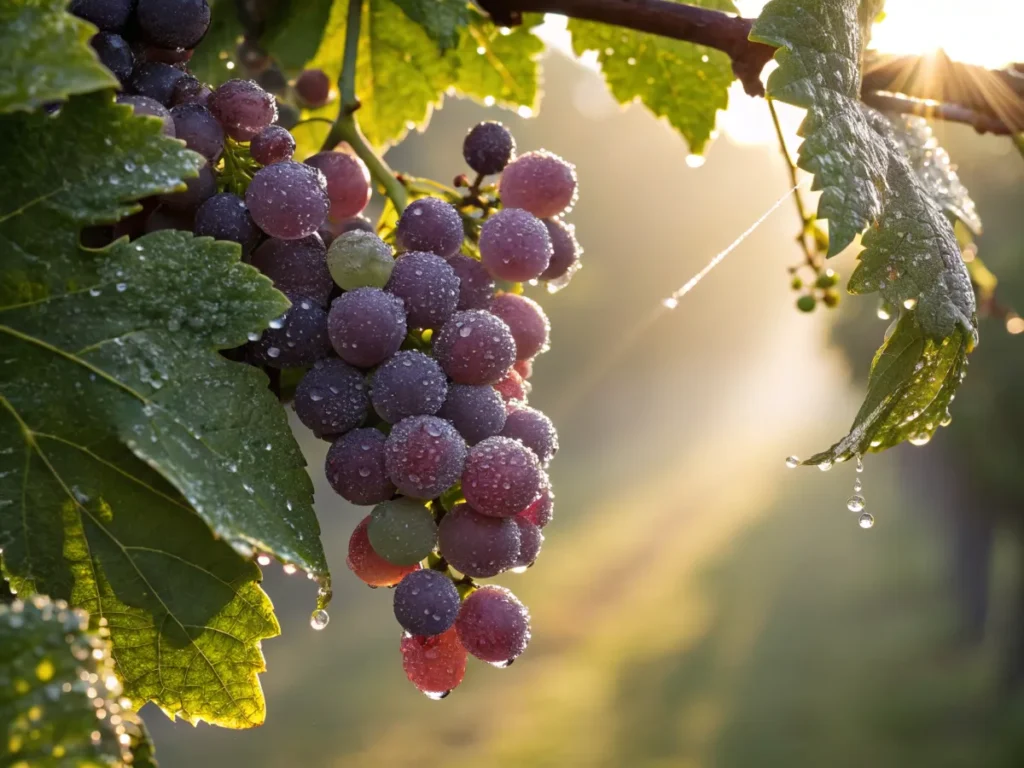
pixel 857 485
pixel 825 466
pixel 289 569
pixel 263 560
pixel 855 503
pixel 670 303
pixel 860 463
pixel 792 462
pixel 922 438
pixel 946 420
pixel 866 521
pixel 436 695
pixel 319 619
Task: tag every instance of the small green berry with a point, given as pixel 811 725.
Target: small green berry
pixel 831 298
pixel 806 303
pixel 797 283
pixel 827 279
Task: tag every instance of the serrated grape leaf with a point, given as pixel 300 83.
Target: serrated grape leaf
pixel 45 55
pixel 684 83
pixel 116 406
pixel 441 19
pixel 912 382
pixel 500 66
pixel 55 712
pixel 932 165
pixel 295 29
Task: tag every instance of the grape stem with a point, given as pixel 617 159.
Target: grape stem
pixel 806 218
pixel 346 128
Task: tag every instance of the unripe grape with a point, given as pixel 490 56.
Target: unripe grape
pixel 539 182
pixel 806 303
pixel 402 531
pixel 488 147
pixel 370 567
pixel 515 245
pixel 827 279
pixel 359 259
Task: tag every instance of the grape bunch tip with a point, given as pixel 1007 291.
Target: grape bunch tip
pixel 416 350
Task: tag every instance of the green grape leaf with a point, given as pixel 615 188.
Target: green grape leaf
pixel 498 66
pixel 441 19
pixel 59 698
pixel 684 83
pixel 295 29
pixel 932 165
pixel 912 382
pixel 45 55
pixel 136 462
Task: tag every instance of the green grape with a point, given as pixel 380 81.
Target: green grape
pixel 827 279
pixel 806 303
pixel 831 297
pixel 360 259
pixel 402 531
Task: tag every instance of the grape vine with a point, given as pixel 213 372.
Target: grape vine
pixel 187 253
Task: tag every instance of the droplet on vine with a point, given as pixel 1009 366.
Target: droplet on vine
pixel 946 420
pixel 855 503
pixel 436 695
pixel 289 569
pixel 825 466
pixel 883 312
pixel 921 439
pixel 860 463
pixel 866 521
pixel 263 559
pixel 792 462
pixel 857 485
pixel 695 161
pixel 319 619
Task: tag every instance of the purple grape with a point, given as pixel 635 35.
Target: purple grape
pixel 173 56
pixel 430 224
pixel 565 253
pixel 297 338
pixel 514 245
pixel 348 182
pixel 165 217
pixel 108 15
pixel 198 128
pixel 115 54
pixel 189 90
pixel 243 108
pixel 367 326
pixel 296 266
pixel 225 217
pixel 534 430
pixel 476 286
pixel 426 602
pixel 540 510
pixel 488 147
pixel 351 224
pixel 539 182
pixel 478 412
pixel 313 87
pixel 147 107
pixel 501 477
pixel 526 319
pixel 332 398
pixel 409 384
pixel 288 200
pixel 155 80
pixel 424 456
pixel 530 541
pixel 475 347
pixel 355 467
pixel 198 190
pixel 493 625
pixel 272 145
pixel 173 23
pixel 477 545
pixel 427 286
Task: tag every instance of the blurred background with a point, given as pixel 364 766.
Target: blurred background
pixel 697 604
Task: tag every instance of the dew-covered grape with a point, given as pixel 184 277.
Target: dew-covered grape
pixel 530 541
pixel 524 368
pixel 435 665
pixel 297 338
pixel 565 250
pixel 115 53
pixel 512 388
pixel 358 259
pixel 225 217
pixel 427 286
pixel 409 384
pixel 475 347
pixel 296 266
pixel 272 145
pixel 493 625
pixel 488 147
pixel 288 200
pixel 313 87
pixel 542 509
pixel 477 545
pixel 370 567
pixel 539 182
pixel 108 15
pixel 477 411
pixel 501 477
pixel 332 398
pixel 348 182
pixel 367 326
pixel 526 319
pixel 430 224
pixel 426 603
pixel 244 109
pixel 145 106
pixel 424 456
pixel 198 128
pixel 198 189
pixel 355 467
pixel 173 23
pixel 155 80
pixel 534 430
pixel 188 90
pixel 476 286
pixel 402 531
pixel 515 245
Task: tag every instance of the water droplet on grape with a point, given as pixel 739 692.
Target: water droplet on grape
pixel 436 695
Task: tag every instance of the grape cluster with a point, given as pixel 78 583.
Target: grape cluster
pixel 413 353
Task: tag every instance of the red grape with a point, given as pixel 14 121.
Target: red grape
pixel 477 545
pixel 370 567
pixel 540 510
pixel 539 182
pixel 435 665
pixel 272 145
pixel 313 87
pixel 530 541
pixel 225 217
pixel 524 368
pixel 534 430
pixel 493 625
pixel 424 456
pixel 198 128
pixel 512 387
pixel 147 107
pixel 515 245
pixel 501 477
pixel 565 251
pixel 348 182
pixel 243 108
pixel 475 347
pixel 355 467
pixel 288 200
pixel 526 319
